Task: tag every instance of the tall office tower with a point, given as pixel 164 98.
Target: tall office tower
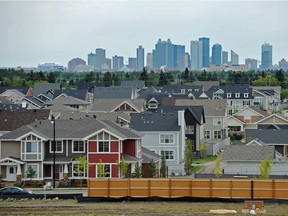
pixel 283 64
pixel 196 54
pixel 251 64
pixel 164 55
pixel 205 51
pixel 74 62
pixel 224 57
pixel 140 58
pixel 234 58
pixel 266 56
pixel 132 64
pixel 100 58
pixel 108 63
pixel 187 61
pixel 216 54
pixel 92 60
pixel 118 62
pixel 149 61
pixel 180 57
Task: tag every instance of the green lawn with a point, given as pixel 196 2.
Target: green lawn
pixel 206 159
pixel 196 168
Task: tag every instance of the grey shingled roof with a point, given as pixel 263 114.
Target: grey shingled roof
pixel 70 129
pixel 206 84
pixel 248 153
pixel 80 94
pixel 33 100
pixel 3 100
pixel 114 92
pixel 211 107
pixel 58 158
pixel 268 136
pixel 233 89
pixel 69 100
pixel 148 156
pixel 22 89
pixel 109 105
pixel 43 88
pixel 154 121
pixel 134 83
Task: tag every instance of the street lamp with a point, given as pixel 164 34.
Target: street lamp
pixel 54 148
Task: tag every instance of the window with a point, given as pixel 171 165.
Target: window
pixel 237 95
pixel 207 135
pixel 228 95
pixel 103 146
pixel 59 146
pixel 166 138
pixel 217 135
pixel 78 146
pixel 246 103
pixel 168 155
pixel 258 99
pixel 190 129
pixel 217 121
pixel 246 95
pixel 76 172
pixel 35 167
pixel 31 147
pixel 103 170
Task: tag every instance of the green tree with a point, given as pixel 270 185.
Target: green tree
pixel 284 94
pixel 163 166
pixel 279 75
pixel 51 77
pixel 81 167
pixel 162 79
pixel 30 172
pixel 152 169
pixel 266 81
pixel 265 168
pixel 203 149
pixel 102 172
pixel 137 171
pixel 122 166
pixel 218 172
pixel 107 79
pixel 144 76
pixel 188 157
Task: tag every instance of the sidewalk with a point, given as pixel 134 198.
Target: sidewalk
pixel 82 191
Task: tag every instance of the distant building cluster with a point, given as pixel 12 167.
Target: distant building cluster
pixel 167 56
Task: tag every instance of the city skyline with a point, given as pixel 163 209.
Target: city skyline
pixel 39 31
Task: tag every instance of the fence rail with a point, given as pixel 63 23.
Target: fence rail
pixel 189 187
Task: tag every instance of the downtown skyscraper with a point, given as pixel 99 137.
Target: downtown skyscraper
pixel 196 55
pixel 266 56
pixel 217 54
pixel 205 51
pixel 140 58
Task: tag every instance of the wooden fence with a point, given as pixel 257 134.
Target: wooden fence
pixel 189 187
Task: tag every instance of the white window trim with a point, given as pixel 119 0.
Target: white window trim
pixel 51 143
pixel 237 95
pixel 169 138
pixel 37 171
pixel 78 143
pixel 110 173
pixel 38 152
pixel 228 95
pixel 78 177
pixel 246 95
pixel 209 134
pixel 169 150
pixel 214 134
pixel 109 146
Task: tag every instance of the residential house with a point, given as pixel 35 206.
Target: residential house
pixel 27 91
pixel 273 121
pixel 115 92
pixel 139 84
pixel 103 142
pixel 69 101
pixel 13 95
pixel 267 98
pixel 237 96
pixel 245 160
pixel 118 105
pixel 13 119
pixel 206 84
pixel 165 131
pixel 216 127
pixel 46 89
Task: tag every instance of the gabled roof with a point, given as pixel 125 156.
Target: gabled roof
pixel 43 88
pixel 206 84
pixel 23 89
pixel 60 107
pixel 233 89
pixel 114 92
pixel 3 100
pixel 236 119
pixel 268 136
pixel 71 129
pixel 248 153
pixel 10 120
pixel 274 115
pixel 211 107
pixel 143 93
pixel 254 110
pixel 69 100
pixel 179 89
pixel 140 84
pixel 34 100
pixel 154 121
pixel 14 92
pixel 148 156
pixel 109 105
pixel 80 94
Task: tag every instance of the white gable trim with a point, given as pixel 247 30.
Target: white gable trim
pixel 99 131
pixel 30 133
pixel 203 95
pixel 5 161
pixel 254 141
pixel 270 116
pixel 62 94
pixel 219 91
pixel 153 100
pixel 247 107
pixel 126 103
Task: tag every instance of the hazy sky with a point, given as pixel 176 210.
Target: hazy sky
pixel 33 32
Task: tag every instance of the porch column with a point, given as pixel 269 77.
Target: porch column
pixel 65 173
pixel 18 176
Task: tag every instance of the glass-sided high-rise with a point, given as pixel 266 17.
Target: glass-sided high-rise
pixel 140 58
pixel 216 54
pixel 205 51
pixel 266 56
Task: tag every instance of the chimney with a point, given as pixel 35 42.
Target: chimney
pixel 181 117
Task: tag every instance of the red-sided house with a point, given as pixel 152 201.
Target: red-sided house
pixel 107 147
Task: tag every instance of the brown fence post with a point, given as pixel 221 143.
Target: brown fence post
pixel 108 184
pixel 149 187
pixel 170 188
pixel 210 188
pixel 190 184
pixel 128 187
pixel 273 188
pixel 231 188
pixel 252 189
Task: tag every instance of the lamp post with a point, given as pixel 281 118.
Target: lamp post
pixel 54 148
